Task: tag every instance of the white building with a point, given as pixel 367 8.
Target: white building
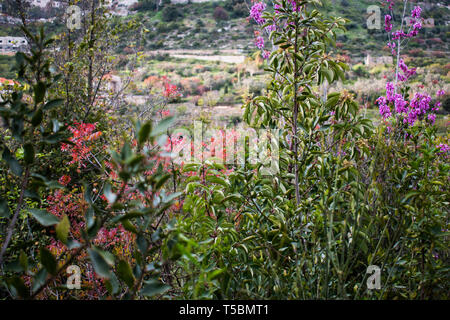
pixel 44 3
pixel 370 61
pixel 120 7
pixel 13 44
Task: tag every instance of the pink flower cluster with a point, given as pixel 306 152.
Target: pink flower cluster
pixel 407 73
pixel 256 12
pixel 294 6
pixel 266 54
pixel 271 28
pixel 392 45
pixel 259 42
pixel 415 22
pixel 415 13
pixel 387 23
pixel 418 108
pixel 443 148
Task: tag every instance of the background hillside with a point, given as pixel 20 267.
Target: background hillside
pixel 223 25
pixel 207 50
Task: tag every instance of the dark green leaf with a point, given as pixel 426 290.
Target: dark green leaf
pixel 23 260
pixel 13 164
pixel 162 126
pixel 144 132
pixel 154 287
pixel 48 260
pixel 39 92
pixel 53 104
pixel 62 229
pixel 4 209
pixel 44 218
pixel 19 286
pixel 125 273
pixel 37 117
pixel 28 153
pixel 39 279
pixel 101 267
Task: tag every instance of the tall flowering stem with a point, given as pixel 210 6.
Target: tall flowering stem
pixel 300 61
pixel 394 105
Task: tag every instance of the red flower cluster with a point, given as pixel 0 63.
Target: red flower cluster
pixel 83 134
pixel 170 90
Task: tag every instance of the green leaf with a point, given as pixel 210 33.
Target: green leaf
pixel 162 126
pixel 409 195
pixel 73 244
pixel 127 225
pixel 56 125
pixel 112 284
pixel 48 260
pixel 332 101
pixel 125 273
pixel 44 218
pixel 141 243
pixel 144 132
pixel 214 274
pixel 12 162
pixel 161 181
pixel 39 279
pixel 107 256
pixel 39 92
pixel 62 229
pixel 37 117
pixel 53 104
pixel 14 266
pixel 23 260
pixel 101 267
pixel 126 152
pixel 217 180
pixel 154 287
pixel 55 138
pixel 28 153
pixel 19 286
pixel 4 209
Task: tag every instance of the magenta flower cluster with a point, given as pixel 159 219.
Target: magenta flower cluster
pixel 259 42
pixel 407 73
pixel 271 28
pixel 440 93
pixel 294 5
pixel 256 12
pixel 419 108
pixel 443 148
pixel 400 34
pixel 387 23
pixel 416 12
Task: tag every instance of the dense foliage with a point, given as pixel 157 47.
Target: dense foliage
pixel 146 211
